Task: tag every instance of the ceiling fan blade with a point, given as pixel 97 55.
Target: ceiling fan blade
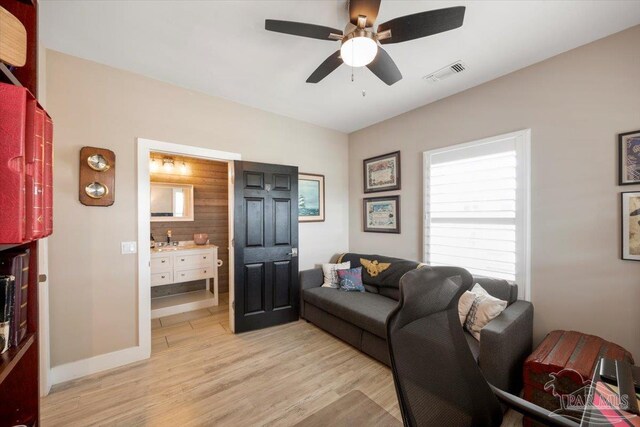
pixel 368 8
pixel 422 24
pixel 326 68
pixel 384 67
pixel 300 29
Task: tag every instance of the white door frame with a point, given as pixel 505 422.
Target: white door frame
pixel 145 147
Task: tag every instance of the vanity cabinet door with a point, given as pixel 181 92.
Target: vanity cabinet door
pixel 161 264
pixel 161 279
pixel 195 274
pixel 195 260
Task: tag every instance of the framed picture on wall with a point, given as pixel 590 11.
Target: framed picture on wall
pixel 310 197
pixel 381 214
pixel 631 225
pixel 629 149
pixel 382 173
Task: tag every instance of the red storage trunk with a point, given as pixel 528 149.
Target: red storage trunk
pixel 24 177
pixel 564 360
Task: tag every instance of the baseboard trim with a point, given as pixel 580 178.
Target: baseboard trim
pixel 80 368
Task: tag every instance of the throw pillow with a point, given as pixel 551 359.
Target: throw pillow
pixel 483 310
pixel 464 305
pixel 351 280
pixel 329 271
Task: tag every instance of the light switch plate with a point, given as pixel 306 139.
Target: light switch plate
pixel 129 248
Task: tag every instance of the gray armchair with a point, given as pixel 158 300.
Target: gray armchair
pixel 437 380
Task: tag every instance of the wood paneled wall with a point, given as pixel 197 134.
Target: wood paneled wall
pixel 210 182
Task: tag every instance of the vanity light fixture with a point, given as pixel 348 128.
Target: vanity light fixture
pixel 154 165
pixel 167 164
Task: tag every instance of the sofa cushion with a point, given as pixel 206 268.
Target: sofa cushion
pixel 371 288
pixel 380 270
pixel 330 273
pixel 351 280
pixel 364 309
pixel 392 293
pixel 498 288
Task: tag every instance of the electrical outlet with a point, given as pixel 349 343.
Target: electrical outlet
pixel 129 248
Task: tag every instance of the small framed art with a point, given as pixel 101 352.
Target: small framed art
pixel 382 173
pixel 629 149
pixel 631 225
pixel 381 214
pixel 310 197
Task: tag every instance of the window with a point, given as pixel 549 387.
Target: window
pixel 476 207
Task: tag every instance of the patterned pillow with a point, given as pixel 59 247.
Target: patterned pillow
pixel 483 310
pixel 464 305
pixel 351 280
pixel 329 271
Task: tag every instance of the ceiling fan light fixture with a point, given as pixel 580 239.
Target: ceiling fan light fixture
pixel 359 49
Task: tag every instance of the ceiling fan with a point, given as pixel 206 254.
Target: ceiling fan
pixel 360 44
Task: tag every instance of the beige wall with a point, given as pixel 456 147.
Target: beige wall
pixel 575 104
pixel 93 301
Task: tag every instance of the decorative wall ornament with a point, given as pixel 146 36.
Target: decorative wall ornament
pixel 629 149
pixel 631 225
pixel 382 173
pixel 310 197
pixel 97 176
pixel 382 214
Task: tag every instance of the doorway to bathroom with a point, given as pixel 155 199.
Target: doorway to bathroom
pixel 185 229
pixel 189 233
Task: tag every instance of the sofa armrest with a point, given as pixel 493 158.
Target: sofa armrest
pixel 505 343
pixel 309 279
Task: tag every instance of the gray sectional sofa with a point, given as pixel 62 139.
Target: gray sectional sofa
pixel 360 318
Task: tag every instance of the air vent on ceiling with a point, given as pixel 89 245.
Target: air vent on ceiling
pixel 446 72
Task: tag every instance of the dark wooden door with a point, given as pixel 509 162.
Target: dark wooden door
pixel 266 289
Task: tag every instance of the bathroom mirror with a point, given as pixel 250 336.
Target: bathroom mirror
pixel 171 202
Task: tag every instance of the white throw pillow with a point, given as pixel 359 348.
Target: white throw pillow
pixel 464 305
pixel 329 271
pixel 483 310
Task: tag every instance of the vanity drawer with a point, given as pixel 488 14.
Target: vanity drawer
pixel 195 274
pixel 194 261
pixel 161 264
pixel 161 279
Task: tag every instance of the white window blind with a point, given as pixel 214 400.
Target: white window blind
pixel 476 207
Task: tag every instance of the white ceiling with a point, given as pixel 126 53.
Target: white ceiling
pixel 221 48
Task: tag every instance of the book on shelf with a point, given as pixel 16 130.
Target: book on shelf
pixel 48 175
pixel 34 170
pixel 26 152
pixel 7 287
pixel 13 106
pixel 16 264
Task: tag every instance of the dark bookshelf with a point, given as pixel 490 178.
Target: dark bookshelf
pixel 9 360
pixel 19 366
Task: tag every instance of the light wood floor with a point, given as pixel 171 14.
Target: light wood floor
pixel 200 374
